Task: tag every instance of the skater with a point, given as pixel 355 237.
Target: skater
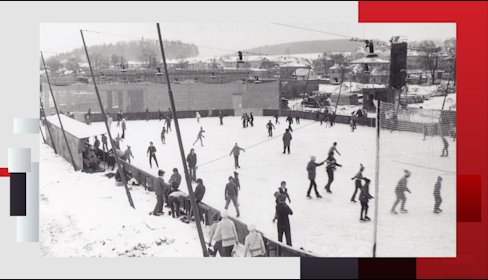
pixel 270 128
pixel 151 153
pixel 175 199
pixel 109 121
pixel 311 176
pixel 175 180
pixel 117 141
pixel 290 121
pixel 331 167
pixel 88 121
pixel 364 197
pixel 244 120
pixel 351 124
pixel 199 137
pixel 297 118
pixel 147 114
pixel 168 123
pixel 251 120
pixel 170 114
pixel 197 115
pixel 322 118
pixel 221 117
pixel 128 154
pixel 332 117
pixel 354 118
pixel 276 118
pixel 283 211
pixel 104 143
pixel 281 190
pixel 236 151
pixel 192 164
pixel 437 195
pixel 287 141
pixel 231 195
pixel 119 117
pixel 400 193
pixel 358 178
pixel 199 194
pixel 217 237
pixel 227 230
pixel 334 149
pixel 446 145
pixel 124 128
pixel 163 135
pixel 160 114
pixel 254 245
pixel 159 188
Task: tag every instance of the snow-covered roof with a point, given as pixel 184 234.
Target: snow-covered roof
pixel 76 128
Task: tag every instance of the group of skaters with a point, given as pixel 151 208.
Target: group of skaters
pixel 247 120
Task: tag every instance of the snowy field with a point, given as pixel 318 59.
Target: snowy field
pixel 329 226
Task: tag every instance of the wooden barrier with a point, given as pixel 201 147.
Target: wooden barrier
pixel 97 117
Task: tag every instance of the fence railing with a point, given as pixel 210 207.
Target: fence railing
pixel 98 117
pixel 371 122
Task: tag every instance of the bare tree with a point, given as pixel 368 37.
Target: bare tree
pixel 431 58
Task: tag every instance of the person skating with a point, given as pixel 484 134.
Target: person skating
pixel 270 128
pixel 437 195
pixel 109 121
pixel 287 141
pixel 364 197
pixel 159 187
pixel 217 237
pixel 160 114
pixel 168 124
pixel 89 117
pixel 351 124
pixel 312 165
pixel 236 151
pixel 120 116
pixel 276 118
pixel 128 154
pixel 358 177
pixel 147 114
pixel 446 145
pixel 170 114
pixel 117 141
pixel 151 153
pixel 231 195
pixel 254 244
pixel 227 229
pixel 199 194
pixel 297 118
pixel 289 119
pixel 192 164
pixel 283 211
pixel 334 149
pixel 400 190
pixel 244 120
pixel 163 135
pixel 124 128
pixel 221 117
pixel 200 137
pixel 251 120
pixel 197 115
pixel 331 167
pixel 281 190
pixel 104 143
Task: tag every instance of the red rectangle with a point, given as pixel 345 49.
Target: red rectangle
pixel 469 198
pixel 4 172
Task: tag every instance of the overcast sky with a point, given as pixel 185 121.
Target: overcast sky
pixel 64 37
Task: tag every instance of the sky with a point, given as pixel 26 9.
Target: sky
pixel 231 37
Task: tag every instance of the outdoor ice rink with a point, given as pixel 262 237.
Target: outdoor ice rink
pixel 329 226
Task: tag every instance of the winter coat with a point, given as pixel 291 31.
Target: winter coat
pixel 214 235
pixel 287 138
pixel 282 213
pixel 230 189
pixel 237 183
pixel 332 149
pixel 192 160
pixel 270 126
pixel 331 164
pixel 236 151
pixel 175 180
pixel 311 169
pixel 97 144
pixel 402 186
pixel 199 192
pixel 104 139
pixel 160 186
pixel 228 230
pixel 364 196
pixel 437 190
pixel 279 192
pixel 254 244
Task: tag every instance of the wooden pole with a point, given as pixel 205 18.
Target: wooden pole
pixel 194 205
pixel 47 125
pixel 340 89
pixel 42 134
pixel 57 112
pixel 447 87
pixel 114 149
pixel 377 172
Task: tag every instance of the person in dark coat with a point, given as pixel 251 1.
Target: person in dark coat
pixel 128 154
pixel 160 115
pixel 287 141
pixel 358 177
pixel 124 128
pixel 331 167
pixel 147 114
pixel 175 179
pixel 104 142
pixel 400 193
pixel 151 153
pixel 168 124
pixel 276 118
pixel 437 195
pixel 231 195
pixel 297 118
pixel 97 143
pixel 283 211
pixel 199 194
pixel 364 197
pixel 281 190
pixel 251 119
pixel 159 187
pixel 270 128
pixel 290 121
pixel 244 120
pixel 221 117
pixel 311 176
pixel 236 151
pixel 163 135
pixel 192 164
pixel 333 148
pixel 446 145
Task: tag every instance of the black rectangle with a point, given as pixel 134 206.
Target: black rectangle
pixel 18 194
pixel 387 268
pixel 328 268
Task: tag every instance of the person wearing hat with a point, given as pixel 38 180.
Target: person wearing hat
pixel 159 187
pixel 400 193
pixel 358 177
pixel 312 165
pixel 287 141
pixel 217 237
pixel 331 167
pixel 364 197
pixel 283 211
pixel 231 195
pixel 124 128
pixel 128 154
pixel 192 164
pixel 199 194
pixel 281 190
pixel 227 230
pixel 437 195
pixel 254 244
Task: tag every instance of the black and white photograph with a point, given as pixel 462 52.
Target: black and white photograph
pixel 247 139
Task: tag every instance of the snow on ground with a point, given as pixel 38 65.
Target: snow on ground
pixel 329 226
pixel 435 103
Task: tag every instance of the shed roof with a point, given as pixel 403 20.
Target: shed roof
pixel 76 128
